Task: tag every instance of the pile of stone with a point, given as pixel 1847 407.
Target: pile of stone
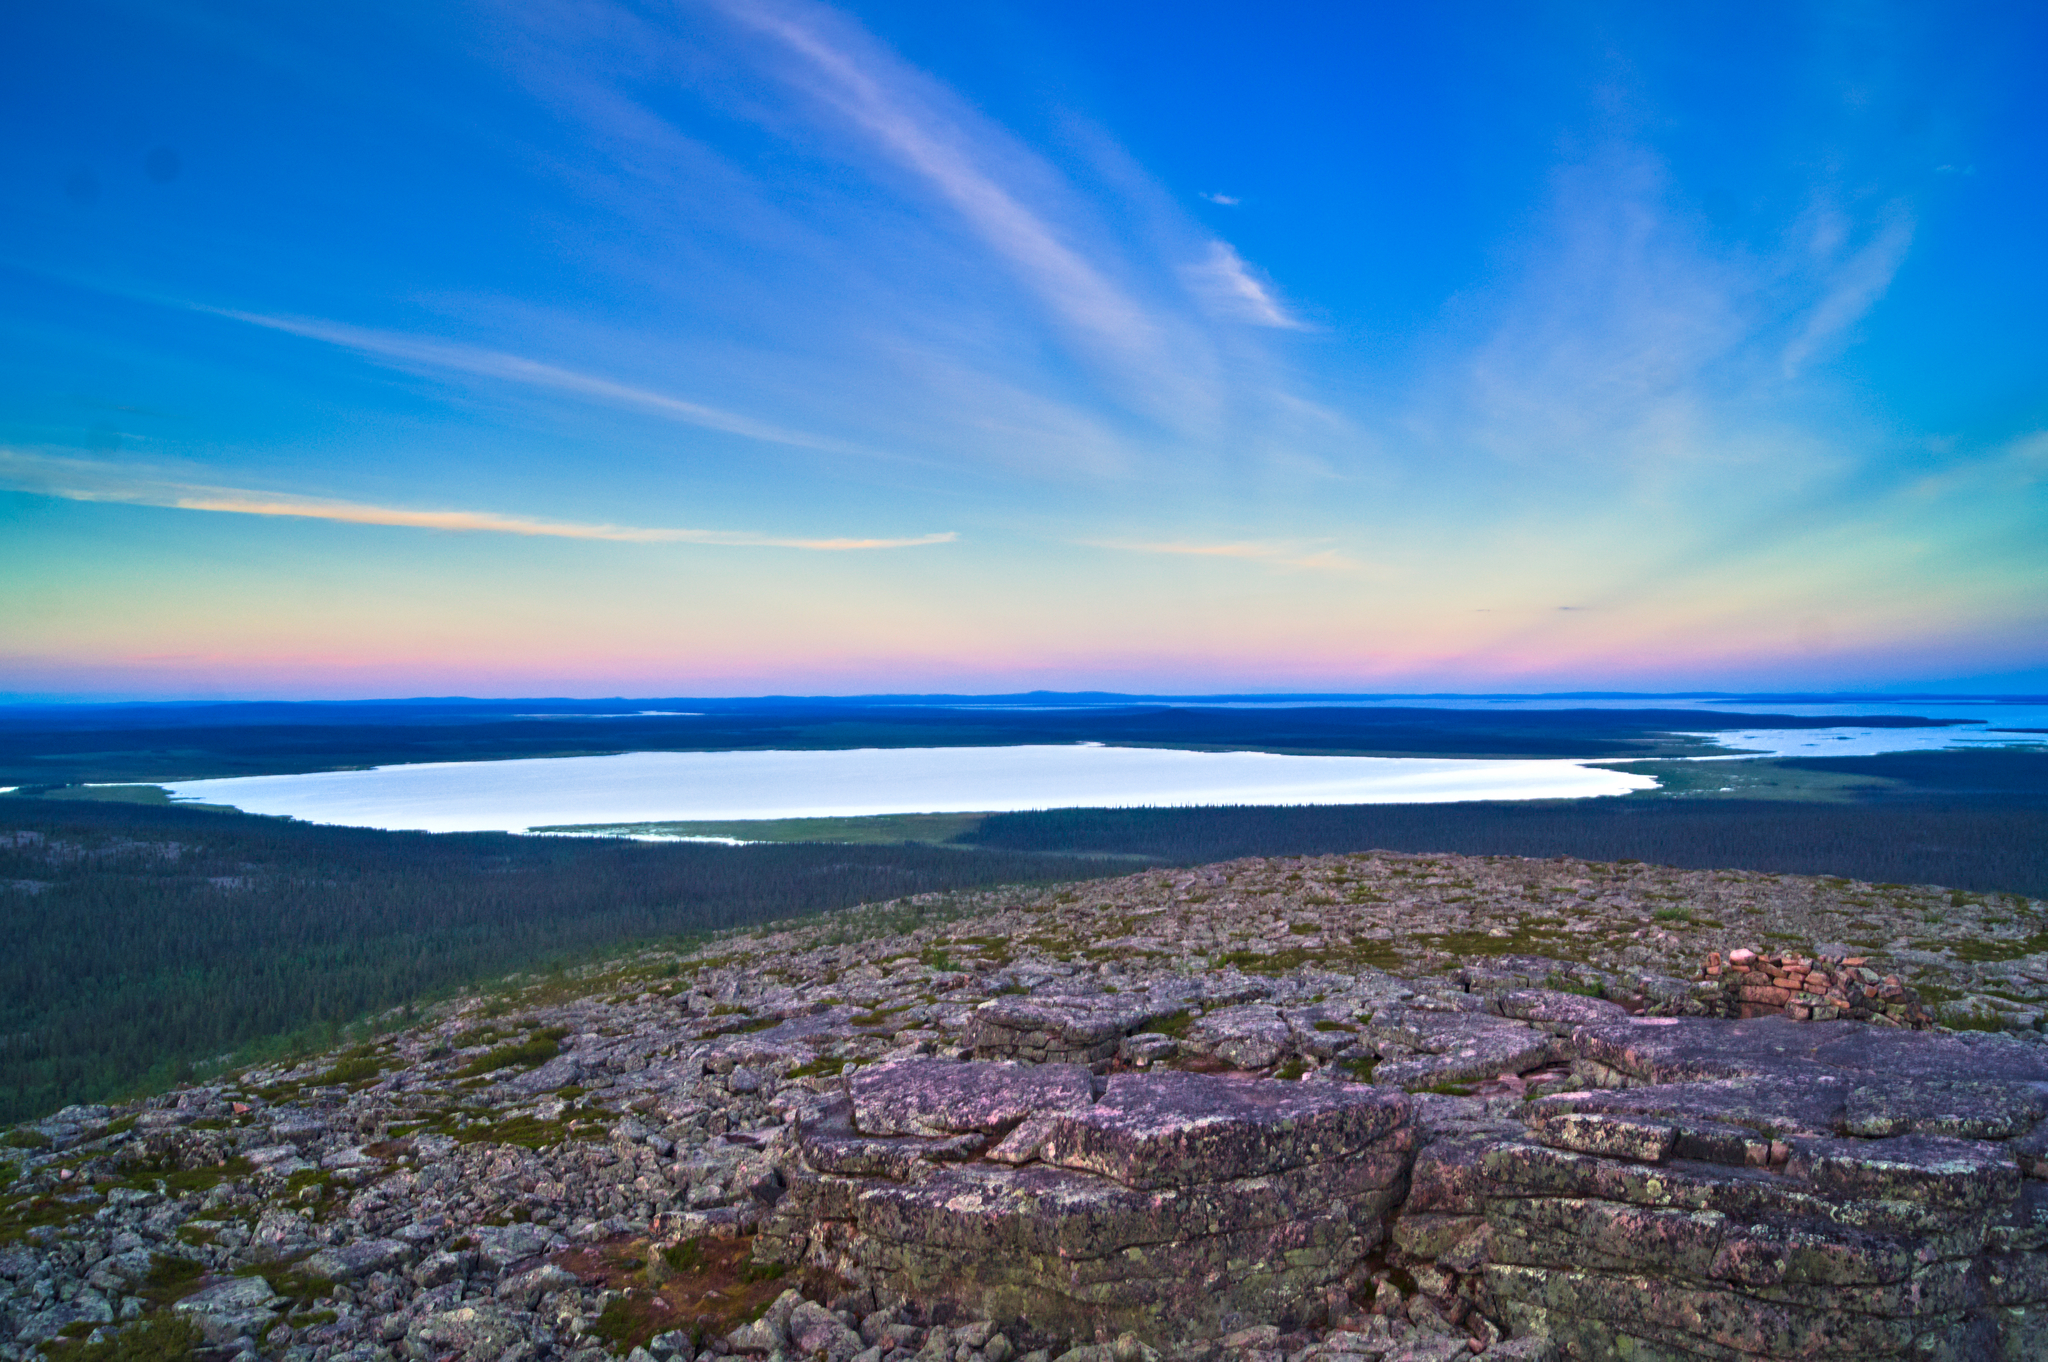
pixel 1808 988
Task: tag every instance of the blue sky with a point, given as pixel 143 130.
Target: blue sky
pixel 592 348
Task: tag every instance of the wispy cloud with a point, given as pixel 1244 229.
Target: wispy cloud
pixel 882 101
pixel 1064 274
pixel 1224 199
pixel 1248 550
pixel 1015 203
pixel 1853 289
pixel 1234 290
pixel 1610 335
pixel 415 351
pixel 2017 469
pixel 84 480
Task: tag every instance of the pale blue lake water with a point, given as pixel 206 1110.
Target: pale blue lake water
pixel 643 787
pixel 646 787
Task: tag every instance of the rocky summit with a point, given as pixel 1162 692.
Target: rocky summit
pixel 1372 1106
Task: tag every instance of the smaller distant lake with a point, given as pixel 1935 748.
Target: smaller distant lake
pixel 1868 742
pixel 647 787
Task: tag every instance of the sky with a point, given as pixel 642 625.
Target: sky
pixel 779 347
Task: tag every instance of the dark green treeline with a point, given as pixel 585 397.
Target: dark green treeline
pixel 141 939
pixel 1976 821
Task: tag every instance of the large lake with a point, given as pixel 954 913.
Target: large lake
pixel 646 787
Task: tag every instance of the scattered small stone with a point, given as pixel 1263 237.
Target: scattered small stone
pixel 1445 1105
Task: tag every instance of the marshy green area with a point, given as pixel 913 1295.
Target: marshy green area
pixel 1792 780
pixel 888 829
pixel 155 795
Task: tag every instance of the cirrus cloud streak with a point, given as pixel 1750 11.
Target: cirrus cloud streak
pixel 413 351
pixel 83 480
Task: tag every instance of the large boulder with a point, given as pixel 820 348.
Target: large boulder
pixel 474 1333
pixel 1752 1189
pixel 1179 1206
pixel 346 1262
pixel 241 1307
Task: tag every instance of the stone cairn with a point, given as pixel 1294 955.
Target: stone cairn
pixel 1817 988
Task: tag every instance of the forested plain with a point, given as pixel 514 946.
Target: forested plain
pixel 143 939
pixel 1966 820
pixel 56 745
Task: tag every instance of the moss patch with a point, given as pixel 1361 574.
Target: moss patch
pixel 707 1287
pixel 161 1338
pixel 170 1278
pixel 541 1047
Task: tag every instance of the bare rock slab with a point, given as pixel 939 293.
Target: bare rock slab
pixel 937 1098
pixel 1174 1205
pixel 1180 1129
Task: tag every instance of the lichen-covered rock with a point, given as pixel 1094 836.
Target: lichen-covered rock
pixel 1176 1202
pixel 816 1332
pixel 938 1099
pixel 1425 1047
pixel 239 1308
pixel 1075 1030
pixel 1556 1013
pixel 1178 1130
pixel 346 1262
pixel 501 1246
pixel 473 1332
pixel 1713 1189
pixel 1252 1036
pixel 1787 1190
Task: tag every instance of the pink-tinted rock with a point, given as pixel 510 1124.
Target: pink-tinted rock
pixel 1177 1129
pixel 940 1098
pixel 1184 1200
pixel 1620 1137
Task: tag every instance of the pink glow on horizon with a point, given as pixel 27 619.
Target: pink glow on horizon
pixel 347 672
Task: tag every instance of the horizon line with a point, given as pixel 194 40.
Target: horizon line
pixel 18 700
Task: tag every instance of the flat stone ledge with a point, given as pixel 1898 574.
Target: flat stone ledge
pixel 1177 1129
pixel 938 1098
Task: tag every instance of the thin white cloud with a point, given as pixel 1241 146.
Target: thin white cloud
pixel 1073 287
pixel 1273 554
pixel 935 151
pixel 1854 289
pixel 2010 472
pixel 974 167
pixel 1225 199
pixel 1606 340
pixel 1232 289
pixel 84 480
pixel 435 354
pixel 2030 453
